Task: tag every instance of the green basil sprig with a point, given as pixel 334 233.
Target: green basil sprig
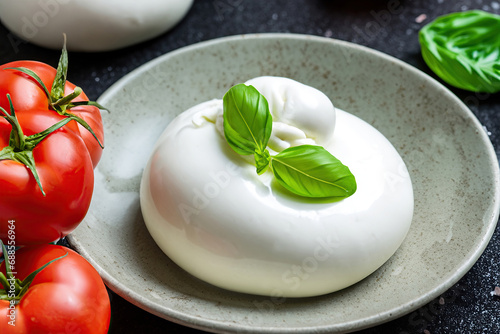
pixel 463 49
pixel 306 170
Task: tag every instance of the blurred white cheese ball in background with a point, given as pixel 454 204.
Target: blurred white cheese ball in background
pixel 91 25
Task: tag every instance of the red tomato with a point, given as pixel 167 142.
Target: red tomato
pixel 66 174
pixel 67 296
pixel 27 94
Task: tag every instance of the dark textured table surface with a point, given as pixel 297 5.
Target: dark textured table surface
pixel 388 26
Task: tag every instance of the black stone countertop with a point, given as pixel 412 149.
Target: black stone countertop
pixel 390 26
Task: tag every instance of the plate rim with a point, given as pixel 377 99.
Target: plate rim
pixel 223 327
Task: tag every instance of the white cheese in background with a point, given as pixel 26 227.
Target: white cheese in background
pixel 91 25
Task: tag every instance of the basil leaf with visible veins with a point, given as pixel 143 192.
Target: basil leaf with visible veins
pixel 247 120
pixel 311 171
pixel 463 49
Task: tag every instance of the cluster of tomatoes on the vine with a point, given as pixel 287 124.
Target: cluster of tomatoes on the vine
pixel 51 139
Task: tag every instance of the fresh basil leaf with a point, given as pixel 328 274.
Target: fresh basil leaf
pixel 311 171
pixel 463 49
pixel 247 120
pixel 262 161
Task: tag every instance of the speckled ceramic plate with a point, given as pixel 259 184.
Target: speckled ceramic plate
pixel 451 161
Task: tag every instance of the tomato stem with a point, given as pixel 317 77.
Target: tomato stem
pixel 64 101
pixel 57 90
pixel 56 99
pixel 20 287
pixel 17 137
pixel 21 147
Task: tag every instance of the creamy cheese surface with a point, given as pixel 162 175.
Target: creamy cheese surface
pixel 91 25
pixel 209 211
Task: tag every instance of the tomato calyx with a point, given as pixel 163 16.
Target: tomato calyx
pixel 14 288
pixel 56 99
pixel 21 147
